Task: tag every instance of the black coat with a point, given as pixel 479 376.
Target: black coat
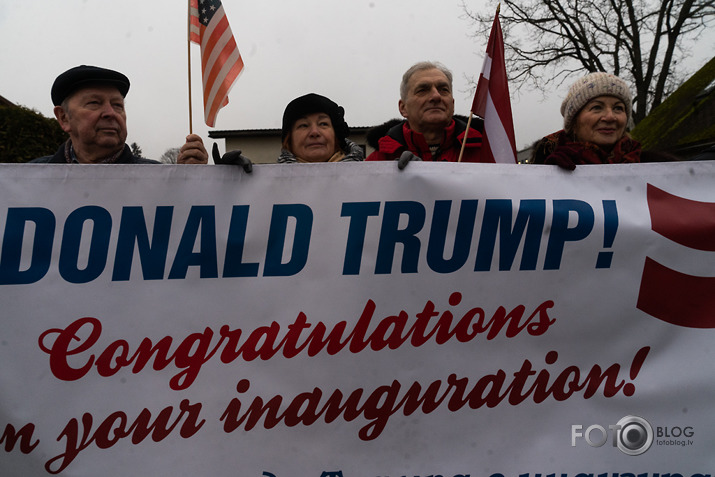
pixel 126 157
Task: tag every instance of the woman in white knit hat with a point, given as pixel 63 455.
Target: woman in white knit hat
pixel 597 111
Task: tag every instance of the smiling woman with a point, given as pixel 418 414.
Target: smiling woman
pixel 314 130
pixel 597 112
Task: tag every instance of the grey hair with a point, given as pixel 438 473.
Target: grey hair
pixel 422 66
pixel 65 105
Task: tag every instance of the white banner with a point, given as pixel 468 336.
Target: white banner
pixel 355 320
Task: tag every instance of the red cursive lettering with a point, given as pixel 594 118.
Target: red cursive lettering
pixel 265 342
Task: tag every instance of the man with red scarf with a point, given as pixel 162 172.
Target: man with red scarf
pixel 429 131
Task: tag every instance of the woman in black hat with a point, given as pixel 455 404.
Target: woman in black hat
pixel 314 130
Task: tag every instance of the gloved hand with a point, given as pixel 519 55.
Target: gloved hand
pixel 563 157
pixel 232 157
pixel 405 159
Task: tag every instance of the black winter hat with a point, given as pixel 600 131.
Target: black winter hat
pixel 315 103
pixel 83 75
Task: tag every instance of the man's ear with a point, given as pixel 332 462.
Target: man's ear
pixel 401 107
pixel 62 118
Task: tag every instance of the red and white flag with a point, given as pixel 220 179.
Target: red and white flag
pixel 492 102
pixel 221 61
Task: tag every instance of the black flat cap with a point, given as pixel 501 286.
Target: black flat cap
pixel 83 75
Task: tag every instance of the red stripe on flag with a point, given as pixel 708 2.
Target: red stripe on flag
pixel 684 221
pixel 492 102
pixel 221 62
pixel 479 105
pixel 677 298
pixel 224 88
pixel 194 28
pixel 211 39
pixel 212 63
pixel 221 74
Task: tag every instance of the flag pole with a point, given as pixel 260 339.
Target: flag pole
pixel 471 113
pixel 188 43
pixel 466 133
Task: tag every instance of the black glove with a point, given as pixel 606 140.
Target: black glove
pixel 563 157
pixel 405 159
pixel 232 157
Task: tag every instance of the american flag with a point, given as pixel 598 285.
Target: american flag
pixel 491 102
pixel 221 61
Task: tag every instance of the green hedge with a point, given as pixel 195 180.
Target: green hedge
pixel 26 134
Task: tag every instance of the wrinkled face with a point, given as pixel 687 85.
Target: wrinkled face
pixel 95 119
pixel 602 121
pixel 312 138
pixel 429 103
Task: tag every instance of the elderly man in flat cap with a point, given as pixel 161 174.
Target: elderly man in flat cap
pixel 89 105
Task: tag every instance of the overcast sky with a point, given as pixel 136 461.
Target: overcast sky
pixel 353 51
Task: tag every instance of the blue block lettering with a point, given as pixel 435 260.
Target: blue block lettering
pixel 391 235
pixel 498 217
pixel 98 246
pixel 462 238
pixel 152 254
pixel 358 213
pixel 562 233
pixel 233 265
pixel 11 252
pixel 303 216
pixel 202 219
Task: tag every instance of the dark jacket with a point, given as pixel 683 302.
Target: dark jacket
pixel 126 157
pixel 399 138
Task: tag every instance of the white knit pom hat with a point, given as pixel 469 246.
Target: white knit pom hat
pixel 592 86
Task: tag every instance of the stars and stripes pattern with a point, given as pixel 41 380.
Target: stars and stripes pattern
pixel 221 61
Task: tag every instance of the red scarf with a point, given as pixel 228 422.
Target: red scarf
pixel 559 147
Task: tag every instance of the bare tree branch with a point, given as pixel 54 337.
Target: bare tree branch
pixel 550 41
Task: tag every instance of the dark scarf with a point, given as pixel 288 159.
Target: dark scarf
pixel 559 148
pixel 71 156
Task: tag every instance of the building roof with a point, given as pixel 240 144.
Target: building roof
pixel 275 132
pixel 684 123
pixel 6 102
pixel 225 133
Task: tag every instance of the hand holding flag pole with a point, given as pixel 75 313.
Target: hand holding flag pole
pixel 188 45
pixel 492 103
